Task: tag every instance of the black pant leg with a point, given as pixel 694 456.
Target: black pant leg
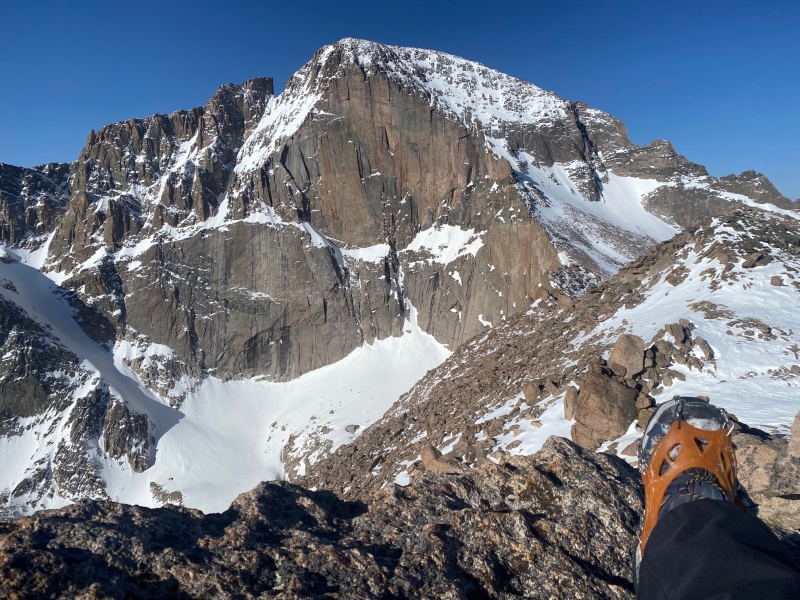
pixel 713 549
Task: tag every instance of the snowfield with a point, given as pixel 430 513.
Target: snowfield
pixel 227 436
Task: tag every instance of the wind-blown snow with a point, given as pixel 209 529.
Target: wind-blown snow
pixel 464 89
pixel 533 434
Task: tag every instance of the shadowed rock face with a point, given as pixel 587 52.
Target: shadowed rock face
pixel 29 355
pixel 39 377
pixel 32 201
pixel 559 524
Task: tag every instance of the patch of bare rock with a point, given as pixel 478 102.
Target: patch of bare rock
pixel 561 523
pixel 615 392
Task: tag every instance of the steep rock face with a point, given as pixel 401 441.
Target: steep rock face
pixel 370 165
pixel 31 200
pixel 30 355
pixel 559 524
pixel 382 176
pixel 123 160
pixel 374 167
pixel 262 305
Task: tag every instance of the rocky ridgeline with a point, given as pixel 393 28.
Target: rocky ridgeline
pixel 369 146
pixel 555 352
pixel 561 524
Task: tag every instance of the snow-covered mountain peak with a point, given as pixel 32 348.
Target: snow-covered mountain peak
pixel 462 88
pixel 467 91
pixel 389 198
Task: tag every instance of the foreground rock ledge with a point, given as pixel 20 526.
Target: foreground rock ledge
pixel 561 523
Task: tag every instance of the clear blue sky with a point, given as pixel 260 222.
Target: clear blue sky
pixel 719 79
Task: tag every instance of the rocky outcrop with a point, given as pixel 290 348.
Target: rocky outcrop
pixel 618 391
pixel 559 524
pixel 123 159
pixel 32 201
pixel 769 468
pixel 482 402
pixel 604 409
pixel 627 356
pixel 759 188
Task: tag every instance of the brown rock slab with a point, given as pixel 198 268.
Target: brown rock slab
pixel 617 369
pixel 756 259
pixel 432 460
pixel 644 401
pixel 569 403
pixel 604 409
pixel 643 417
pixel 631 449
pixel 629 353
pixel 794 439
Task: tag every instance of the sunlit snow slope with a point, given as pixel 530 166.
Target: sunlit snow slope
pixel 227 436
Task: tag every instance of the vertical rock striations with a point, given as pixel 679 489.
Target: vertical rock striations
pixel 32 201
